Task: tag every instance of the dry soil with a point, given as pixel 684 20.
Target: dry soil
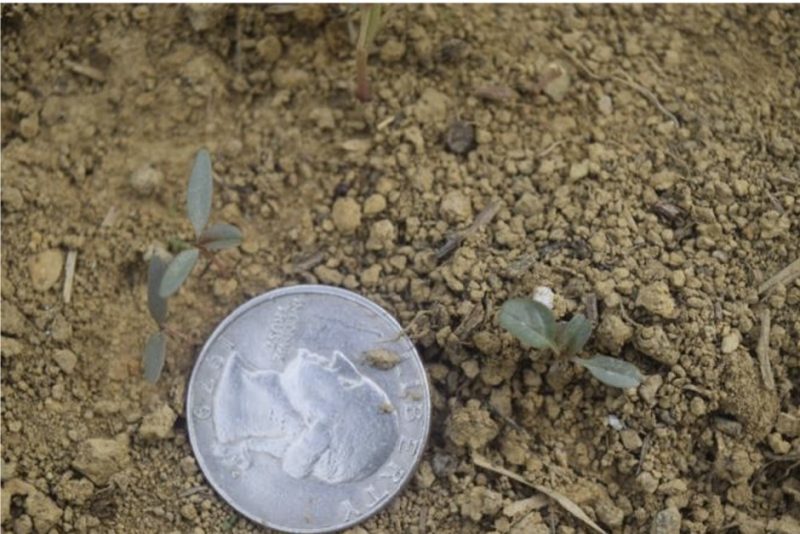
pixel 643 162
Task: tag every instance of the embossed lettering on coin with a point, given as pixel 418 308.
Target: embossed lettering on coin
pixel 295 420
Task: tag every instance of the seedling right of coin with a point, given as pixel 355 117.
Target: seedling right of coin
pixel 533 323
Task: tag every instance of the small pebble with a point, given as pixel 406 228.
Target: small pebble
pixel 392 51
pixel 649 389
pixel 456 207
pixel 66 360
pixel 381 235
pixel 647 482
pixel 667 521
pixel 371 275
pixel 12 198
pixel 189 512
pixel 697 406
pixel 609 514
pixel 579 170
pixel 730 342
pixel 269 49
pixel 346 215
pixel 460 137
pixel 158 424
pixel 778 445
pixel 631 440
pixel 604 105
pixel 656 299
pixel 374 204
pixel 452 50
pixel 557 83
pixel 146 180
pixel 45 269
pixel 29 126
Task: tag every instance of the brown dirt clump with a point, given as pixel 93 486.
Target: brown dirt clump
pixel 641 161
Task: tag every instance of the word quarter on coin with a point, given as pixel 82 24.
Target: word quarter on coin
pixel 308 409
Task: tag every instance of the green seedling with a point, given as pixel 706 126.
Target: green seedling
pixel 165 279
pixel 533 324
pixel 370 24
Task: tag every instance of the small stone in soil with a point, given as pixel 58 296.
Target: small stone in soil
pixel 613 333
pixel 10 346
pixel 656 299
pixel 12 199
pixel 346 215
pixel 460 137
pixel 100 458
pixel 44 512
pixel 604 105
pixel 158 424
pixel 381 235
pixel 667 521
pixel 269 49
pixel 479 502
pixel 452 50
pixel 730 343
pixel 45 269
pixel 392 51
pixel 609 513
pixel 471 425
pixel 556 81
pixel 630 440
pixel 66 360
pixel 375 203
pixel 456 207
pixel 13 320
pixel 146 179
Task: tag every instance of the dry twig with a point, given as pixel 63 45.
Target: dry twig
pixel 85 70
pixel 649 95
pixel 481 220
pixel 762 351
pixel 111 216
pixel 309 262
pixel 627 81
pixel 784 276
pixel 564 501
pixel 590 304
pixel 69 274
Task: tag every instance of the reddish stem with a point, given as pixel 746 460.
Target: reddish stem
pixel 213 260
pixel 362 81
pixel 175 333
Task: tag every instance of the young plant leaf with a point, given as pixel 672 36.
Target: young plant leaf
pixel 529 321
pixel 198 196
pixel 177 271
pixel 572 336
pixel 612 371
pixel 156 304
pixel 373 23
pixel 155 352
pixel 220 236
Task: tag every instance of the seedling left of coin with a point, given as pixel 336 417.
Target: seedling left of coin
pixel 165 278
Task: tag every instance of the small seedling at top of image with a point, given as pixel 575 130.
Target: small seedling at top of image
pixel 166 278
pixel 370 24
pixel 534 325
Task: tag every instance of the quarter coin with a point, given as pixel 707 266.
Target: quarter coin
pixel 308 409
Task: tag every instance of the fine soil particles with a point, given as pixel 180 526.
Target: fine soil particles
pixel 643 162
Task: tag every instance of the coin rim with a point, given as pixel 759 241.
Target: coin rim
pixel 271 295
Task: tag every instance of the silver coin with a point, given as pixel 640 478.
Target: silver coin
pixel 308 409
